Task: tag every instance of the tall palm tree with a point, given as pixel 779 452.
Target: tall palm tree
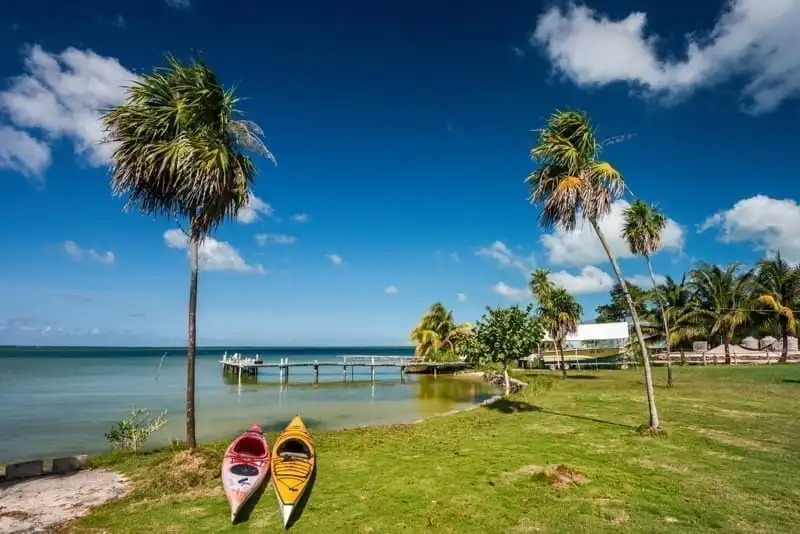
pixel 641 229
pixel 779 290
pixel 677 301
pixel 558 312
pixel 724 300
pixel 180 151
pixel 573 185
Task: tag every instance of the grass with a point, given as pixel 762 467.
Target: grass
pixel 563 456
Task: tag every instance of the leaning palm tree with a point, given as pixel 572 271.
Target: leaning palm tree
pixel 558 311
pixel 572 185
pixel 641 229
pixel 180 152
pixel 724 300
pixel 779 290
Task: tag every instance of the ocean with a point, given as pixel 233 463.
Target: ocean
pixel 58 401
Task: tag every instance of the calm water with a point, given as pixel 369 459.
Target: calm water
pixel 60 401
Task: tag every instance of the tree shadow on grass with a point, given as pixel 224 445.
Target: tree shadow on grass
pixel 512 406
pixel 791 380
pixel 584 418
pixel 301 504
pixel 581 377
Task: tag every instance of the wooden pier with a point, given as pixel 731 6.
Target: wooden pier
pixel 244 366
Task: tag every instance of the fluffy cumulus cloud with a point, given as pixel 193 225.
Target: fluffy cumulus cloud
pixel 643 280
pixel 75 252
pixel 391 290
pixel 214 255
pixel 589 280
pixel 581 246
pixel 510 292
pixel 251 212
pixel 59 96
pixel 754 41
pixel 505 257
pixel 767 223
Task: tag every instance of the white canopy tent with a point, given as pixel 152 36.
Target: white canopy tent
pixel 598 332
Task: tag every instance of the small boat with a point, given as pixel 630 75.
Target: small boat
pixel 293 462
pixel 244 467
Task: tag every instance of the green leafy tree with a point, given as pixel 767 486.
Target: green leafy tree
pixel 678 301
pixel 571 185
pixel 617 309
pixel 779 290
pixel 641 229
pixel 506 334
pixel 132 432
pixel 558 312
pixel 180 151
pixel 724 300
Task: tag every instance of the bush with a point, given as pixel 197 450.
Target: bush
pixel 132 432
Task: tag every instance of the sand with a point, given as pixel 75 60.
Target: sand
pixel 38 504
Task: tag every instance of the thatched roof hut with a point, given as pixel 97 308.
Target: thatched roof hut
pixel 750 343
pixel 766 342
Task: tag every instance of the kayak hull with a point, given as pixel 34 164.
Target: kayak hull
pixel 292 467
pixel 245 468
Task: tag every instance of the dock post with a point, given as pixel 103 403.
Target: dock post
pixel 316 372
pixel 286 372
pixel 373 369
pixel 240 374
pixel 344 370
pixel 280 372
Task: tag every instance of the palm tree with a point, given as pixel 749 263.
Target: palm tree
pixel 641 229
pixel 559 313
pixel 573 185
pixel 436 331
pixel 180 152
pixel 779 288
pixel 724 300
pixel 677 301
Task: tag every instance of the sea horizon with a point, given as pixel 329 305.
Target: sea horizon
pixel 224 347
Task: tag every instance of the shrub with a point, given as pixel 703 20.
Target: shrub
pixel 132 432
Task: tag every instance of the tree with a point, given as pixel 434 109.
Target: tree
pixel 558 312
pixel 617 309
pixel 678 301
pixel 180 152
pixel 436 332
pixel 724 300
pixel 573 185
pixel 779 290
pixel 506 334
pixel 641 229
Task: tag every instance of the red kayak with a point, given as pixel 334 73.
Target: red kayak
pixel 244 467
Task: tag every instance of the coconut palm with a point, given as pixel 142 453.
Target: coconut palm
pixel 572 185
pixel 558 312
pixel 436 331
pixel 180 151
pixel 641 229
pixel 677 300
pixel 724 300
pixel 779 290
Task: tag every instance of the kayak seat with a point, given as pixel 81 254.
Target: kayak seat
pixel 290 455
pixel 294 448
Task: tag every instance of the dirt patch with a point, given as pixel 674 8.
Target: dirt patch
pixel 557 476
pixel 650 464
pixel 65 497
pixel 736 441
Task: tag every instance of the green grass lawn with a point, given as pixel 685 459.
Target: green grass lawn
pixel 730 463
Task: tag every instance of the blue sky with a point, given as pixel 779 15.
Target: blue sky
pixel 402 134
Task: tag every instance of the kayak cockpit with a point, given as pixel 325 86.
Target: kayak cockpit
pixel 250 446
pixel 294 448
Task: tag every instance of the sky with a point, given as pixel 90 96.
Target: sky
pixel 402 133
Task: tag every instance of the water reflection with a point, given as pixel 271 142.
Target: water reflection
pixel 434 395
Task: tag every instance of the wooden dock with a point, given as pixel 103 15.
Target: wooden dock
pixel 249 366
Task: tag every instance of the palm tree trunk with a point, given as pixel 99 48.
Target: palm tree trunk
pixel 506 379
pixel 664 317
pixel 785 350
pixel 560 349
pixel 191 352
pixel 648 376
pixel 727 350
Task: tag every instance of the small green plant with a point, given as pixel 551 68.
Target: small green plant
pixel 132 432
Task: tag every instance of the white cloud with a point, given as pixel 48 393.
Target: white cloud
pixel 752 40
pixel 590 280
pixel 391 290
pixel 643 280
pixel 179 4
pixel 59 96
pixel 275 239
pixel 581 246
pixel 511 293
pixel 21 152
pixel 213 255
pixel 301 217
pixel 249 213
pixel 768 223
pixel 505 257
pixel 335 258
pixel 75 252
pixel 461 297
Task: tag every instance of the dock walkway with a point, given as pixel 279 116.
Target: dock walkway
pixel 249 366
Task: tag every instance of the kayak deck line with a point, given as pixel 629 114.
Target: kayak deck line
pixel 242 366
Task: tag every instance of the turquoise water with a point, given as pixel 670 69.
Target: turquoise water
pixel 61 401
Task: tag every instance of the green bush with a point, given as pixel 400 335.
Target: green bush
pixel 132 432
